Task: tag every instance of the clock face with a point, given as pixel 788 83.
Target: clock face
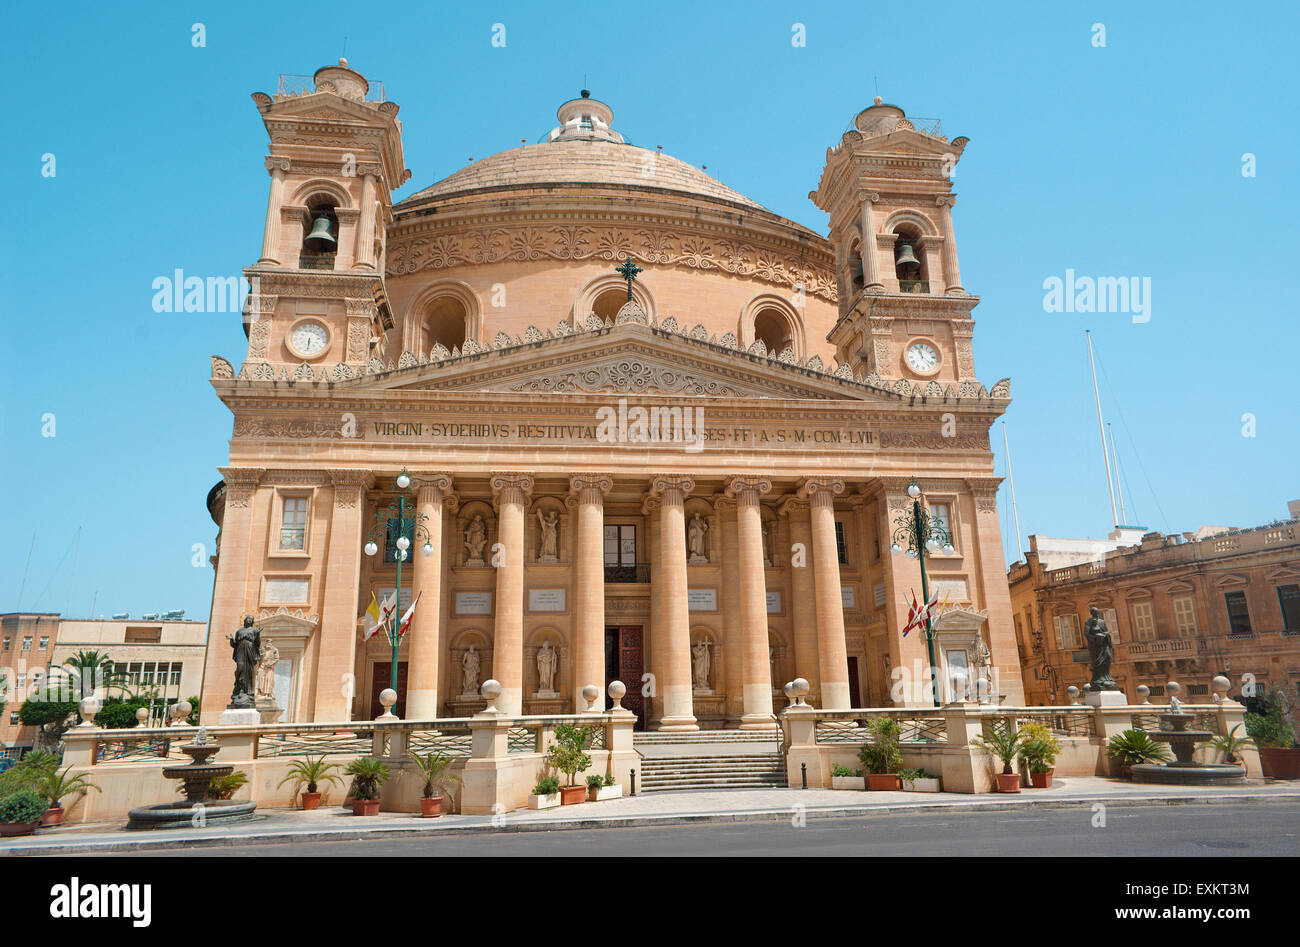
pixel 310 339
pixel 921 357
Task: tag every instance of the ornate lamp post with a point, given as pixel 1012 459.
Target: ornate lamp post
pixel 914 533
pixel 402 512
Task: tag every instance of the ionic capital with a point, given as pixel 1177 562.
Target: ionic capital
pixel 241 482
pixel 276 163
pixel 820 490
pixel 793 505
pixel 432 487
pixel 350 485
pixel 511 487
pixel 671 489
pixel 748 489
pixel 590 487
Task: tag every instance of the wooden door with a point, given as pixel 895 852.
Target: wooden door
pixel 379 680
pixel 631 665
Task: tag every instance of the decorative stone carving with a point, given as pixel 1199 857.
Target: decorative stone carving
pixel 629 375
pixel 304 373
pixel 701 665
pixel 670 325
pixel 546 665
pixel 475 543
pixel 695 533
pixel 221 368
pixel 470 666
pixel 547 527
pixel 407 360
pixel 728 340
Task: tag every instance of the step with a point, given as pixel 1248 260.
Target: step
pixel 705 736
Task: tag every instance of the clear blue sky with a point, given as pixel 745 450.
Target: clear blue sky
pixel 1122 161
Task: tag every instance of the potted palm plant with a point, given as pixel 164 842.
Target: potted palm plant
pixel 881 755
pixel 368 774
pixel 1004 743
pixel 1038 750
pixel 433 768
pixel 313 770
pixel 1274 735
pixel 844 778
pixel 1229 744
pixel 546 794
pixel 568 757
pixel 21 812
pixel 58 785
pixel 1133 746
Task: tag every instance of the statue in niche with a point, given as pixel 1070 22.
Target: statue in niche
pixel 695 531
pixel 470 662
pixel 547 523
pixel 769 528
pixel 546 670
pixel 246 643
pixel 1101 651
pixel 475 541
pixel 980 655
pixel 701 664
pixel 270 657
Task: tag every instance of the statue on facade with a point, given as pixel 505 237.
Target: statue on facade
pixel 695 531
pixel 546 669
pixel 246 643
pixel 266 663
pixel 475 541
pixel 701 663
pixel 1101 651
pixel 547 525
pixel 981 657
pixel 469 670
pixel 769 528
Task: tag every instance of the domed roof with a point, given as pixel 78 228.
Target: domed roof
pixel 583 152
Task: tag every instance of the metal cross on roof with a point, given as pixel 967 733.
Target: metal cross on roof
pixel 628 271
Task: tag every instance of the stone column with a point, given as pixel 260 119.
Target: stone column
pixel 230 598
pixel 365 255
pixel 587 493
pixel 870 265
pixel 988 566
pixel 271 237
pixel 336 656
pixel 803 607
pixel 673 623
pixel 510 493
pixel 756 681
pixel 832 651
pixel 732 662
pixel 432 496
pixel 654 707
pixel 951 275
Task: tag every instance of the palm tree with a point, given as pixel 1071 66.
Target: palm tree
pixel 89 669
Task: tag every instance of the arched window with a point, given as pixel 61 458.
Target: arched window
pixel 773 327
pixel 608 303
pixel 856 280
pixel 445 322
pixel 909 260
pixel 320 235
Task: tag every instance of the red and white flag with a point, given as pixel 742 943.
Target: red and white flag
pixel 406 619
pixel 917 613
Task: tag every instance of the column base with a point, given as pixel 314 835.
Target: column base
pixel 669 724
pixel 421 704
pixel 757 722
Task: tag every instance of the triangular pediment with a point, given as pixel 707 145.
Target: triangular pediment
pixel 628 359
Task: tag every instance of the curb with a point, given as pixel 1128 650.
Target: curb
pixel 632 821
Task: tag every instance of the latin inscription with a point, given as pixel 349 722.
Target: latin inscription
pixel 506 432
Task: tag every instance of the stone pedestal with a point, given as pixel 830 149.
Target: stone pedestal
pixel 246 717
pixel 1105 699
pixel 268 711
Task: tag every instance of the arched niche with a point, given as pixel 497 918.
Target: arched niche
pixel 476 522
pixel 534 643
pixel 706 661
pixel 703 540
pixel 469 640
pixel 776 322
pixel 547 515
pixel 605 295
pixel 445 313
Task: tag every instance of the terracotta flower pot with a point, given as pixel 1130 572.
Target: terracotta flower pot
pixel 431 806
pixel 1041 780
pixel 1280 762
pixel 12 829
pixel 53 816
pixel 310 800
pixel 884 781
pixel 1008 782
pixel 365 807
pixel 572 794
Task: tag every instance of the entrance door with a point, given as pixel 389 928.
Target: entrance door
pixel 855 691
pixel 625 661
pixel 381 678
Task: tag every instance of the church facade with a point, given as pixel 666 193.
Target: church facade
pixel 645 428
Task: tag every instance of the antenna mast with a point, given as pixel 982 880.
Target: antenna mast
pixel 1101 429
pixel 1119 485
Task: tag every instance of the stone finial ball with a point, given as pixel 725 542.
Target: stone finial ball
pixel 89 707
pixel 1173 688
pixel 142 714
pixel 617 689
pixel 801 686
pixel 181 709
pixel 387 697
pixel 1221 684
pixel 590 693
pixel 1072 691
pixel 788 690
pixel 490 689
pixel 1143 691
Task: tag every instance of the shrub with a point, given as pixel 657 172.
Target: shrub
pixel 59 785
pixel 368 774
pixel 595 782
pixel 433 768
pixel 23 807
pixel 1271 729
pixel 1136 746
pixel 28 774
pixel 1038 747
pixel 1229 744
pixel 118 713
pixel 567 754
pixel 839 770
pixel 312 770
pixel 881 754
pixel 1002 743
pixel 546 786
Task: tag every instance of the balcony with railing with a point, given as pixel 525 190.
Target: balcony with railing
pixel 630 572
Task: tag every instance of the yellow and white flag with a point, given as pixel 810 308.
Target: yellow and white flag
pixel 370 622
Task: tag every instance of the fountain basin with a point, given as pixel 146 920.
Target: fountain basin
pixel 197 810
pixel 1189 774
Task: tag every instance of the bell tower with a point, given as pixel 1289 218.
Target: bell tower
pixel 335 158
pixel 904 316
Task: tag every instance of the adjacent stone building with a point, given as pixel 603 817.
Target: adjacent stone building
pixel 1183 608
pixel 654 431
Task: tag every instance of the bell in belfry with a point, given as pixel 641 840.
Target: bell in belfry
pixel 320 240
pixel 909 267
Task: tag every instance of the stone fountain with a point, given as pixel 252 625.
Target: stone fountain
pixel 1184 770
pixel 197 810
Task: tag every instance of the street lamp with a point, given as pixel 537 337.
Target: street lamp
pixel 408 520
pixel 914 533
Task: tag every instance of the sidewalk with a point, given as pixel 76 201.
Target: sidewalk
pixel 757 805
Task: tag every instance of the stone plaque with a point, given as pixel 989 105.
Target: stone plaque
pixel 847 598
pixel 286 591
pixel 773 603
pixel 952 589
pixel 702 600
pixel 546 600
pixel 473 603
pixel 879 594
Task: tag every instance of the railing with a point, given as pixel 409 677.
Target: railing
pixel 139 749
pixel 306 85
pixel 635 572
pixel 913 286
pixel 1063 721
pixel 920 727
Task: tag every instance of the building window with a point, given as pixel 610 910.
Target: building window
pixel 1112 623
pixel 390 540
pixel 13 718
pixel 1288 596
pixel 175 680
pixel 841 547
pixel 1238 613
pixel 27 644
pixel 143 635
pixel 620 545
pixel 1068 635
pixel 8 642
pixel 45 644
pixel 293 528
pixel 1184 615
pixel 1144 624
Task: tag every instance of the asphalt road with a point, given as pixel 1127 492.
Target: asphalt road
pixel 1196 830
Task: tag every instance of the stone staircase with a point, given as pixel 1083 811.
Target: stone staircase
pixel 709 760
